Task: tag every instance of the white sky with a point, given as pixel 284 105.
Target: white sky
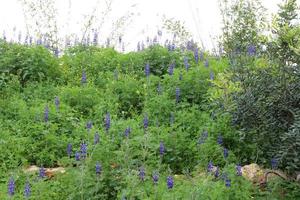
pixel 201 17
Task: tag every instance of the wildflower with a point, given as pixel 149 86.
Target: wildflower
pixel 227 182
pixel 201 55
pixel 186 63
pixel 96 138
pixel 196 55
pixel 56 102
pixel 206 63
pixel 146 122
pixel 251 50
pixel 161 149
pixel 83 149
pixel 210 166
pixel 147 70
pixel 225 152
pixel 127 131
pixel 83 78
pixel 239 170
pixel 89 125
pixel 69 149
pixel 217 172
pixel 171 69
pixel 274 163
pixel 155 178
pixel 203 137
pixel 77 156
pixel 220 140
pixel 177 93
pixel 170 182
pixel 211 75
pixel 98 168
pixel 42 172
pixel 46 113
pixel 142 173
pixel 11 186
pixel 27 190
pixel 107 121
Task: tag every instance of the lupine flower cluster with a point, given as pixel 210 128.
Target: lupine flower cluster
pixel 177 94
pixel 274 163
pixel 210 166
pixel 89 125
pixel 96 138
pixel 142 173
pixel 239 170
pixel 225 152
pixel 146 122
pixel 46 114
pixel 69 150
pixel 127 132
pixel 27 190
pixel 203 137
pixel 155 178
pixel 196 55
pixel 170 182
pixel 147 70
pixel 107 121
pixel 171 69
pixel 57 103
pixel 83 150
pixel 98 168
pixel 186 63
pixel 206 63
pixel 11 186
pixel 83 78
pixel 251 50
pixel 220 140
pixel 42 172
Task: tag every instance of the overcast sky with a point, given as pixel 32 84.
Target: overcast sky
pixel 201 17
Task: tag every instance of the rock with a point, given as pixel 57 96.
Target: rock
pixel 50 172
pixel 253 173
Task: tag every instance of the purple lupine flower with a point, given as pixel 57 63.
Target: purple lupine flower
pixel 206 63
pixel 147 70
pixel 42 172
pixel 217 173
pixel 98 168
pixel 189 45
pixel 177 93
pixel 201 55
pixel 46 113
pixel 225 152
pixel 238 170
pixel 186 63
pixel 227 182
pixel 11 187
pixel 172 119
pixel 127 131
pixel 203 137
pixel 155 178
pixel 251 50
pixel 96 138
pixel 83 149
pixel 170 182
pixel 171 69
pixel 89 125
pixel 274 163
pixel 210 166
pixel 211 75
pixel 196 55
pixel 69 149
pixel 161 148
pixel 146 121
pixel 27 190
pixel 159 89
pixel 173 46
pixel 107 121
pixel 83 78
pixel 220 140
pixel 142 173
pixel 56 102
pixel 77 156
